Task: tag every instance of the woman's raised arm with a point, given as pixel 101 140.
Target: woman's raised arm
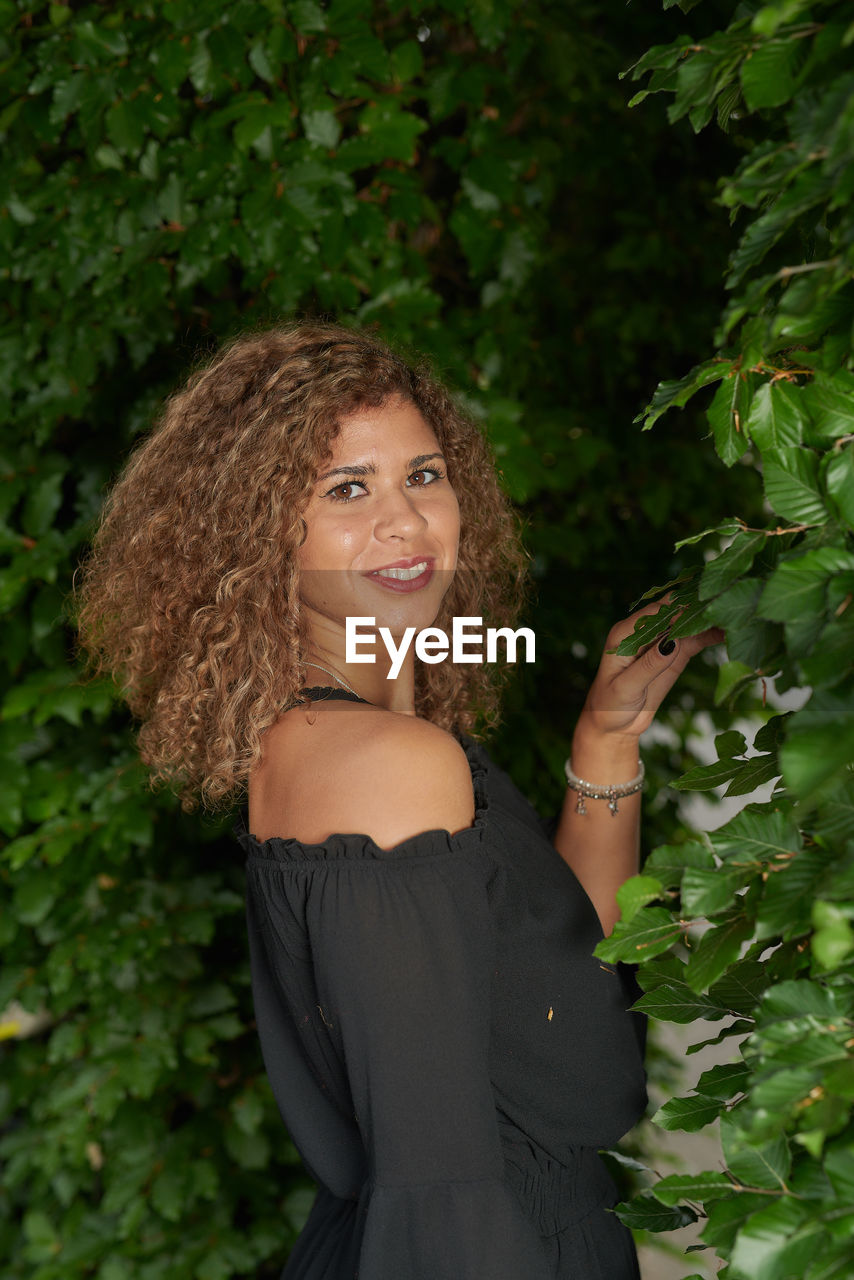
pixel 602 847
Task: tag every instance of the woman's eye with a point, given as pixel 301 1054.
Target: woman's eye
pixel 425 476
pixel 345 492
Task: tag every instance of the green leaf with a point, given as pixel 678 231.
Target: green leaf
pixel 776 416
pixel 705 777
pixel 683 579
pixel 798 585
pixel 668 861
pixel 829 402
pixel 259 61
pixel 202 73
pixel 829 661
pixel 768 18
pixel 696 1186
pixel 34 899
pixel 407 61
pixel 648 933
pixel 727 1215
pixel 169 1194
pixel 677 393
pixel 839 479
pixel 126 127
pixel 833 939
pixel 171 200
pixel 725 1080
pixel 171 61
pixel 765 1163
pixel 776 1242
pixel 721 572
pixel 216 1265
pixel 391 130
pixel 728 414
pixel 818 750
pixel 624 1160
pixel 835 821
pixel 772 733
pixel 740 1027
pixel 740 988
pixel 731 742
pixel 659 56
pixel 779 1091
pixel 708 69
pixel 250 1150
pixel 706 892
pixel 758 833
pixel 40 1231
pixel 258 120
pixel 767 73
pixel 797 996
pixel 322 128
pixel 839 1166
pixel 718 948
pixel 688 1114
pixel 785 906
pixel 691 620
pixel 728 528
pixel 307 16
pixel 676 1002
pixel 635 893
pixel 107 157
pixel 211 999
pixel 43 502
pixel 792 485
pixel 646 1213
pixel 649 628
pixel 731 677
pixel 754 773
pixel 248 1112
pixel 665 971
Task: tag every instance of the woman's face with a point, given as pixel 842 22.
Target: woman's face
pixel 383 523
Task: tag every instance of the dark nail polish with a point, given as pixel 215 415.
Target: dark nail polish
pixel 666 647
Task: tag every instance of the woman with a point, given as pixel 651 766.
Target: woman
pixel 444 1048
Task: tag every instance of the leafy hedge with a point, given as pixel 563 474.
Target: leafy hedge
pixel 755 927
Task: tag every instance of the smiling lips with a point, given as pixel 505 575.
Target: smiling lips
pixel 406 575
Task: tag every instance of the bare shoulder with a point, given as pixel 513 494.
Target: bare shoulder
pixel 353 768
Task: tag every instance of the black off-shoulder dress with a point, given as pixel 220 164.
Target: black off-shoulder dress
pixel 445 1050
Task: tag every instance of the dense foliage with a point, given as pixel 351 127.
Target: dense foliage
pixel 463 174
pixel 773 888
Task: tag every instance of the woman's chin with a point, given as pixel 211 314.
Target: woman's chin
pixel 401 614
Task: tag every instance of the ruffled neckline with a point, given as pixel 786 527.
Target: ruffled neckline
pixel 345 844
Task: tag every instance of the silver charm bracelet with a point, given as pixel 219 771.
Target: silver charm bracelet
pixel 612 792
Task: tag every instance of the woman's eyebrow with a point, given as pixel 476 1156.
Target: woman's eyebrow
pixel 368 468
pixel 360 469
pixel 422 458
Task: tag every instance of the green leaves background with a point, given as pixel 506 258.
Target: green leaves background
pixel 756 927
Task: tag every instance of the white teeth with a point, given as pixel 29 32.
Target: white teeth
pixel 404 575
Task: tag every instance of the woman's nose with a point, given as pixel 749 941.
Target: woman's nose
pixel 398 515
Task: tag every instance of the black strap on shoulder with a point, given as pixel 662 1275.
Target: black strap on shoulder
pixel 329 693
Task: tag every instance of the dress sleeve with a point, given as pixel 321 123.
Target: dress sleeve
pixel 402 951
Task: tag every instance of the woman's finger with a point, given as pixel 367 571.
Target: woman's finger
pixel 661 664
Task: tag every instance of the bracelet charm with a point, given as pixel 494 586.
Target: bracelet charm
pixel 610 791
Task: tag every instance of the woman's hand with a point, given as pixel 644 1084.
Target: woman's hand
pixel 627 692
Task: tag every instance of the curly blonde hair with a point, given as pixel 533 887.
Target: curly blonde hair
pixel 190 594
